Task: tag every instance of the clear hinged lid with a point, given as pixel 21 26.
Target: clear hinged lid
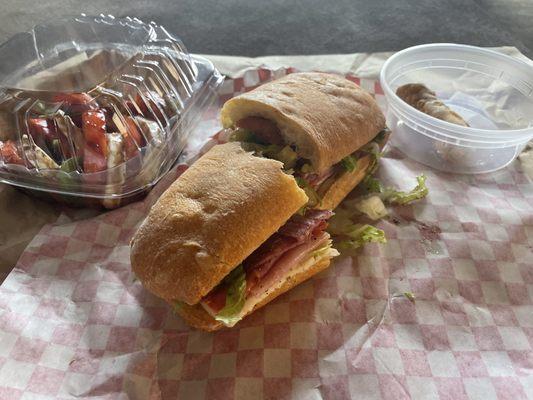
pixel 97 106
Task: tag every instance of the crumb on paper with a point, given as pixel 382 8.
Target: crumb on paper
pixel 429 232
pixel 395 220
pixel 410 296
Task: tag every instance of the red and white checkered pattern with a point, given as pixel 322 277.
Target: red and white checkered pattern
pixel 75 323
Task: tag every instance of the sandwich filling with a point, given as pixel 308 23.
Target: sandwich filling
pixel 264 138
pixel 299 244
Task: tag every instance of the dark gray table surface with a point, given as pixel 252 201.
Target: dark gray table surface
pixel 262 27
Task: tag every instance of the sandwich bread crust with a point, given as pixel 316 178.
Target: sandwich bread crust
pixel 344 184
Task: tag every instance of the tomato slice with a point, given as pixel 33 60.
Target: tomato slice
pixel 42 127
pixel 9 153
pixel 93 161
pixel 94 130
pixel 74 104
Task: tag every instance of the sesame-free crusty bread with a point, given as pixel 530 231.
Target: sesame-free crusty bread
pixel 209 220
pixel 347 181
pixel 344 184
pixel 197 317
pixel 326 117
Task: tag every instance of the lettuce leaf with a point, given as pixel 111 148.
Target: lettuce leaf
pixel 410 296
pixel 359 235
pixel 349 163
pixel 314 198
pixel 374 150
pixel 398 197
pixel 372 184
pixel 392 196
pixel 235 297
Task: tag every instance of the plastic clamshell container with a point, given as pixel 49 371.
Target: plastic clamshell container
pixel 94 110
pixel 491 91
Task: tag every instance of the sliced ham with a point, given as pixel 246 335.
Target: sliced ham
pixel 301 233
pixel 287 261
pixel 299 229
pixel 302 227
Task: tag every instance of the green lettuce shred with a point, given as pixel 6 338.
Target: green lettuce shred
pixel 419 192
pixel 235 297
pixel 374 150
pixel 410 296
pixel 314 198
pixel 359 235
pixel 69 165
pixel 349 163
pixel 372 184
pixel 392 196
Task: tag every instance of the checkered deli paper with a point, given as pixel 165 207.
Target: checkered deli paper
pixel 75 323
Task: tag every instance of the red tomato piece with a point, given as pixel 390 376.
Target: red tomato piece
pixel 42 127
pixel 9 153
pixel 74 104
pixel 93 161
pixel 94 130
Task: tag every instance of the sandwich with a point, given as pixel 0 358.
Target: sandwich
pixel 326 130
pixel 228 237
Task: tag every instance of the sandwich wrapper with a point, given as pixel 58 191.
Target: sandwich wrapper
pixel 74 322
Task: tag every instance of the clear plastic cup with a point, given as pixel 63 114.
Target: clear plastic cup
pixel 94 110
pixel 491 91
